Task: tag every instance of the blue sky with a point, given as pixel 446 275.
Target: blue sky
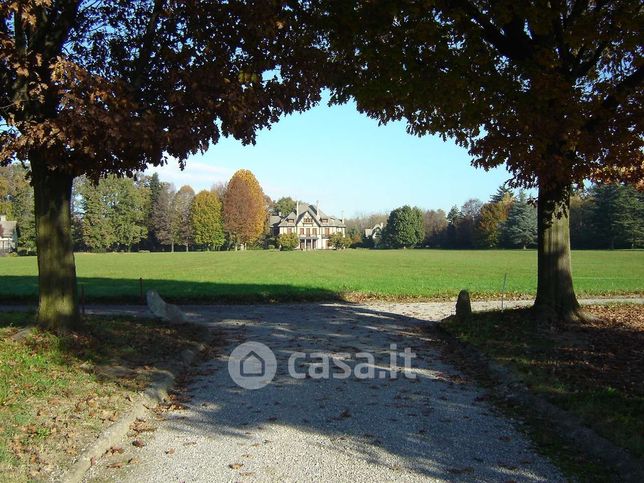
pixel 347 162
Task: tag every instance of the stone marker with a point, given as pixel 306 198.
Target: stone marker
pixel 163 310
pixel 463 305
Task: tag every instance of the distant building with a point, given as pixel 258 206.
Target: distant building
pixel 312 225
pixel 374 233
pixel 8 235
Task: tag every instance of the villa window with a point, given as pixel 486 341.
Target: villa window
pixel 315 232
pixel 301 231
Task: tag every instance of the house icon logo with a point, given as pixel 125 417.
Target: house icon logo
pixel 252 365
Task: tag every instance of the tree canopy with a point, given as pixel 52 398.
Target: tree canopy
pixel 244 208
pixel 553 91
pixel 205 216
pixel 92 88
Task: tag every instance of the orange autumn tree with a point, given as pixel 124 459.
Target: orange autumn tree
pixel 245 209
pixel 98 87
pixel 552 90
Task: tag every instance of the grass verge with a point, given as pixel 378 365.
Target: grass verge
pixel 58 393
pixel 593 370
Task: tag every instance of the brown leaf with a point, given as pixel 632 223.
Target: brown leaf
pixel 138 443
pixel 235 466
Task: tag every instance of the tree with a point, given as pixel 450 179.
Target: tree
pixel 618 215
pixel 162 215
pixel 552 90
pixel 520 228
pixel 96 227
pixel 338 241
pixel 285 206
pixel 152 186
pixel 205 217
pixel 435 222
pixel 244 208
pixel 288 241
pixel 582 233
pixel 113 213
pixel 219 189
pixel 405 228
pixel 492 216
pixel 90 88
pixel 180 223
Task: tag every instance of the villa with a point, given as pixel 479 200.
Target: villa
pixel 312 225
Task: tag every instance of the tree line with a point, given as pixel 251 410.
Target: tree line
pixel 604 216
pixel 145 213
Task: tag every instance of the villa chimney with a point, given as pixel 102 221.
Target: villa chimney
pixel 297 209
pixel 317 208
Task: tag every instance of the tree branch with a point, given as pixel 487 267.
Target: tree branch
pixel 510 41
pixel 612 101
pixel 143 61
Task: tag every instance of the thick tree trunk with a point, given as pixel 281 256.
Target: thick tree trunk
pixel 58 301
pixel 556 298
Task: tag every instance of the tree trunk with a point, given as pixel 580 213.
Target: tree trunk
pixel 58 299
pixel 556 299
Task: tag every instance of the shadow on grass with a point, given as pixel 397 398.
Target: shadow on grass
pixel 424 437
pixel 24 289
pixel 593 369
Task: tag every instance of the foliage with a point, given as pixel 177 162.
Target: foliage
pixel 205 216
pixel 552 92
pixel 244 210
pixel 96 88
pixel 113 213
pixel 161 217
pixel 285 206
pixel 405 227
pixel 180 223
pixel 528 85
pixel 338 241
pixel 288 241
pixel 618 215
pixel 520 228
pixel 435 222
pixel 492 217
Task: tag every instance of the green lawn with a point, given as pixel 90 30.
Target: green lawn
pixel 291 276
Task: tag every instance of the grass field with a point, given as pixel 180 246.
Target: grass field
pixel 254 276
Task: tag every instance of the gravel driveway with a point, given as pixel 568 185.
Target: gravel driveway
pixel 434 427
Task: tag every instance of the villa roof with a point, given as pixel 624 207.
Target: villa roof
pixel 312 211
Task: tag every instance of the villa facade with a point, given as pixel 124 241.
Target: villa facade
pixel 8 235
pixel 312 225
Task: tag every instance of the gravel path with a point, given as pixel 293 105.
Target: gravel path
pixel 434 427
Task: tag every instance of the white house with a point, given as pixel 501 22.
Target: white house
pixel 8 235
pixel 312 225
